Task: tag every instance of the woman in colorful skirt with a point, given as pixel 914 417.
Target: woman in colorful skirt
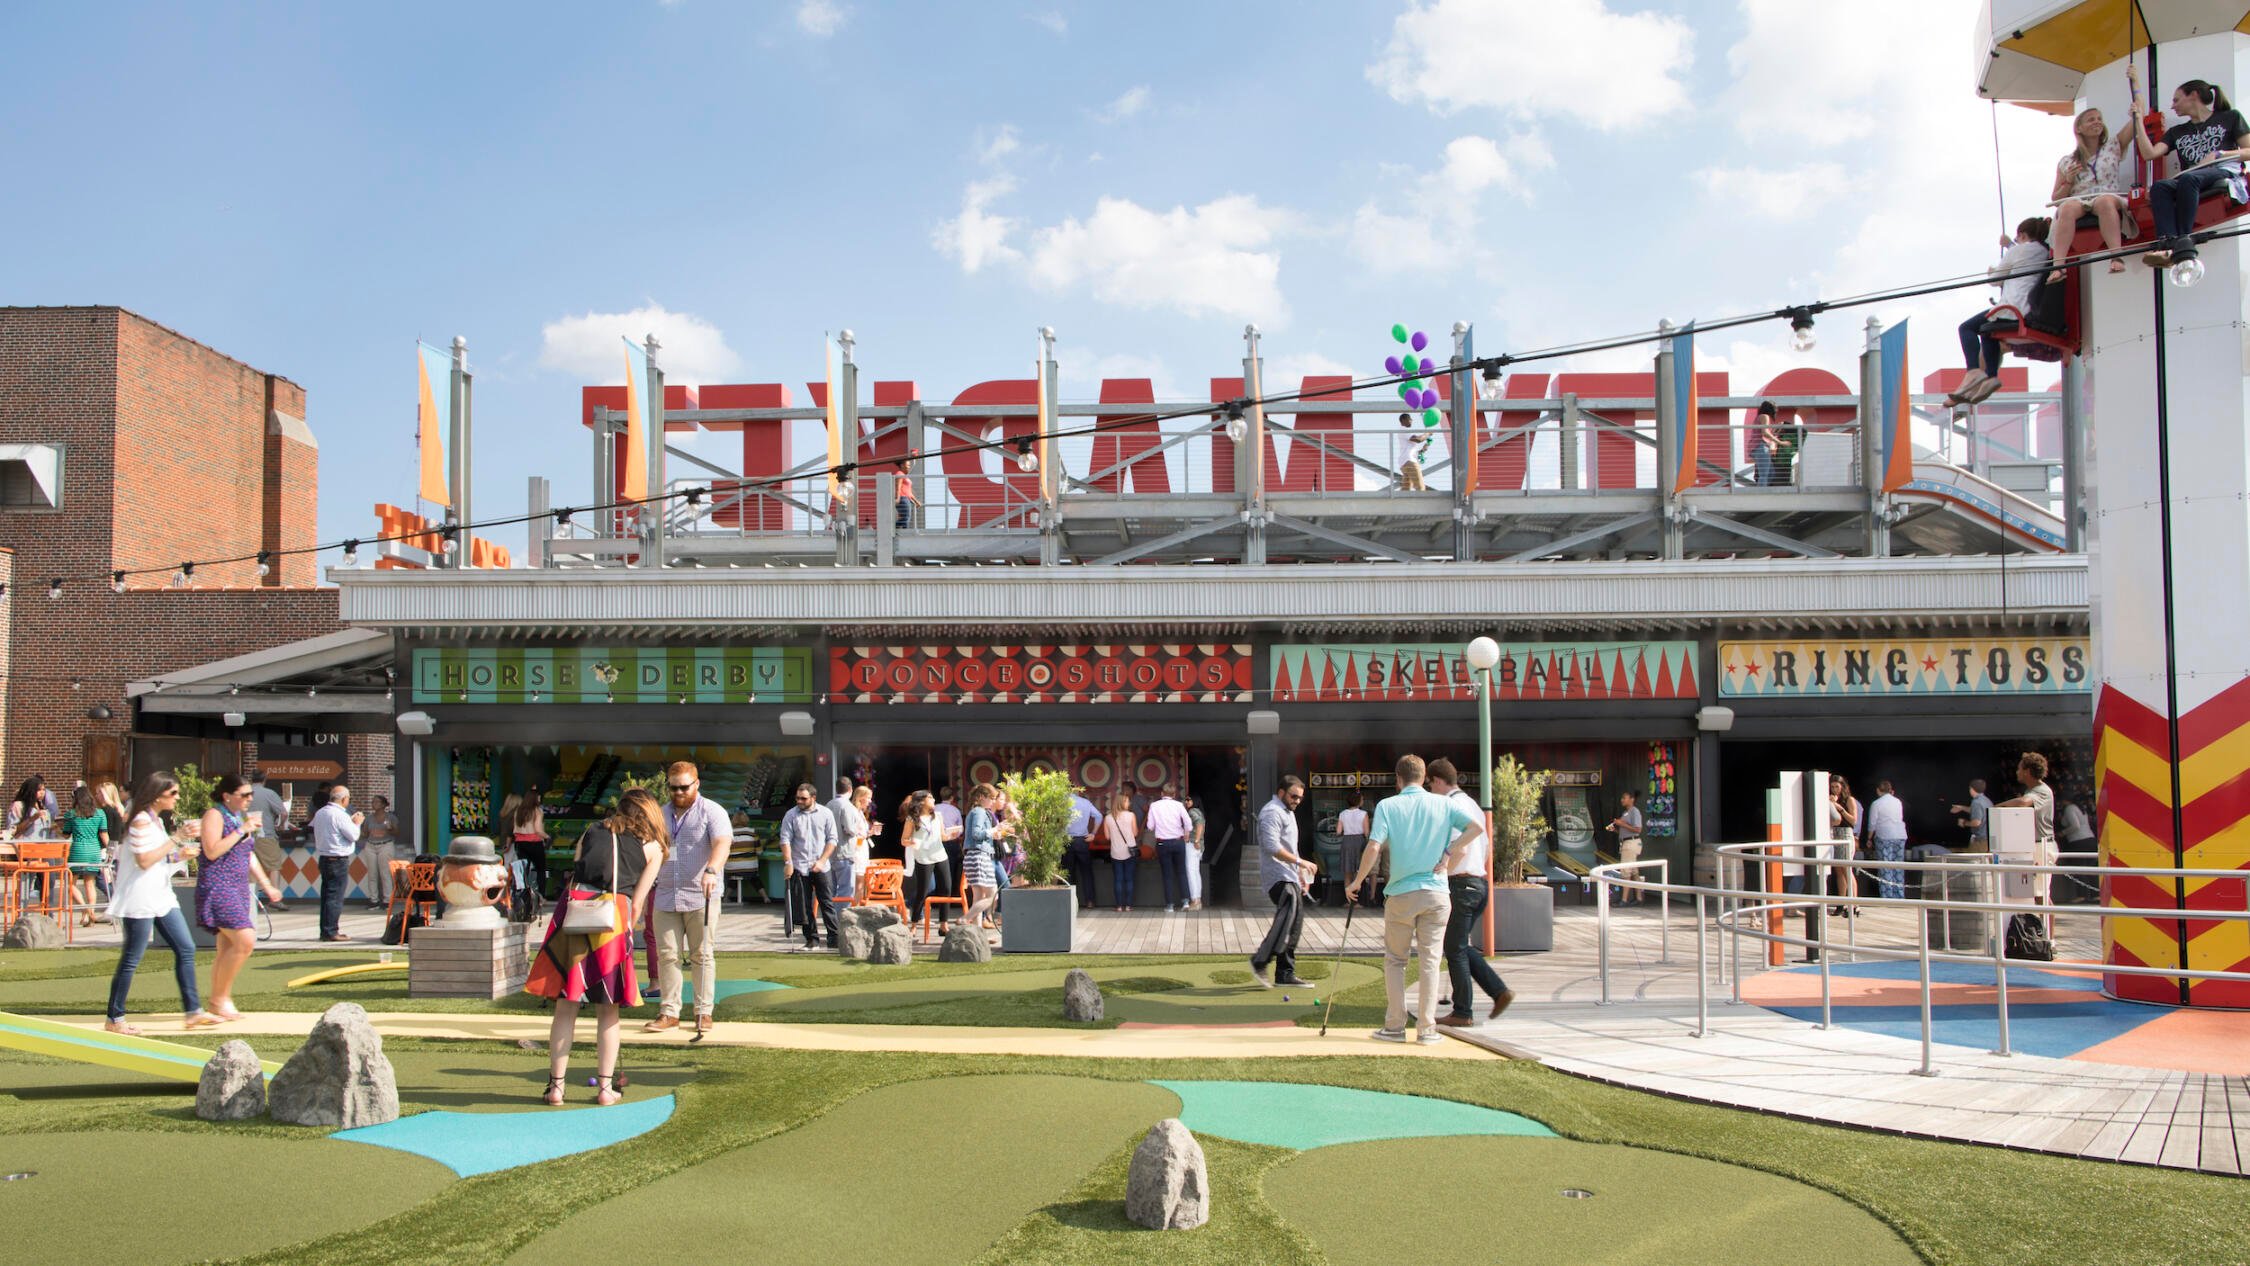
pixel 229 839
pixel 617 863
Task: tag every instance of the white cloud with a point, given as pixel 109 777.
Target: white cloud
pixel 977 237
pixel 1286 371
pixel 1779 194
pixel 1436 228
pixel 692 350
pixel 1573 59
pixel 1050 19
pixel 821 18
pixel 1128 103
pixel 1213 260
pixel 1003 143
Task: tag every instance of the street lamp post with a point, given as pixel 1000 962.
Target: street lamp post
pixel 1483 655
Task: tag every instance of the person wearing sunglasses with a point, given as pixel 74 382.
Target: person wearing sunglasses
pixel 808 840
pixel 685 909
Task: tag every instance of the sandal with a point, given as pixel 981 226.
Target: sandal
pixel 2117 265
pixel 203 1020
pixel 227 1014
pixel 554 1096
pixel 122 1029
pixel 606 1094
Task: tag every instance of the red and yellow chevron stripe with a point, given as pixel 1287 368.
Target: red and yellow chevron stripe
pixel 2133 807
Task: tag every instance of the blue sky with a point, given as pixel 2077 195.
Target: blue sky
pixel 311 188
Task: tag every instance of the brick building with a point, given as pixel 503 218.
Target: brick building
pixel 127 446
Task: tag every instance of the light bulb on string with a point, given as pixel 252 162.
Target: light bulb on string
pixel 2187 272
pixel 351 553
pixel 185 576
pixel 1027 461
pixel 117 582
pixel 54 590
pixel 1236 426
pixel 1801 336
pixel 265 563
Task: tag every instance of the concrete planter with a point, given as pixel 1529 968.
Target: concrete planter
pixel 1524 918
pixel 1038 920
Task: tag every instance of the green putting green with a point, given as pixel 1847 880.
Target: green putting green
pixel 1152 991
pixel 1295 1115
pixel 513 1081
pixel 198 1196
pixel 1646 1208
pixel 922 1171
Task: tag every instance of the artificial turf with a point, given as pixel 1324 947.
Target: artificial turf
pixel 925 1171
pixel 1500 1202
pixel 1952 1203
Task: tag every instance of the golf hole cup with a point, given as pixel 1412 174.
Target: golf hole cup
pixel 471 880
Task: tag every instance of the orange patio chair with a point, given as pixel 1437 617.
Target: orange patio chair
pixel 885 885
pixel 959 900
pixel 46 863
pixel 415 884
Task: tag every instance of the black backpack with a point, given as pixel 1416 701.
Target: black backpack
pixel 2027 938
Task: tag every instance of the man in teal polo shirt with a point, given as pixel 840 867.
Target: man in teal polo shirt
pixel 1419 831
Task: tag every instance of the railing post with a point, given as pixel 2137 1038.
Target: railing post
pixel 1734 930
pixel 1664 907
pixel 2000 972
pixel 1601 923
pixel 1825 1018
pixel 1922 955
pixel 1702 973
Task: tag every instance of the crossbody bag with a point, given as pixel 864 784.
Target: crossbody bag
pixel 588 918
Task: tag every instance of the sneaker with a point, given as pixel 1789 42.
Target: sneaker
pixel 1389 1035
pixel 1294 983
pixel 1458 1021
pixel 2157 258
pixel 1431 1037
pixel 1258 974
pixel 1500 1003
pixel 661 1023
pixel 1982 391
pixel 1960 393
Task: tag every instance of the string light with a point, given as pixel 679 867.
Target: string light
pixel 351 553
pixel 54 590
pixel 1026 460
pixel 265 563
pixel 117 582
pixel 184 577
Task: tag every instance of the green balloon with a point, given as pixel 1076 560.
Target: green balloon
pixel 1404 391
pixel 1398 333
pixel 1417 364
pixel 1429 417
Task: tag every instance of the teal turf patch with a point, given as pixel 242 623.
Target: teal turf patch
pixel 471 1143
pixel 1300 1116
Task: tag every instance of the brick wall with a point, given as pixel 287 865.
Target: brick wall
pixel 170 449
pixel 7 643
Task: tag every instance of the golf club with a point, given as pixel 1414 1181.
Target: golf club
pixel 1335 973
pixel 710 931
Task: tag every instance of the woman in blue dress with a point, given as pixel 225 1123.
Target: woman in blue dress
pixel 222 888
pixel 977 846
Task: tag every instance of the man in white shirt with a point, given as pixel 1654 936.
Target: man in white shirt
pixel 808 841
pixel 1283 872
pixel 1078 855
pixel 273 813
pixel 1627 824
pixel 684 909
pixel 1886 832
pixel 335 832
pixel 1470 889
pixel 1168 821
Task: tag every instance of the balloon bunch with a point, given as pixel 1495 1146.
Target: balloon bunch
pixel 1416 390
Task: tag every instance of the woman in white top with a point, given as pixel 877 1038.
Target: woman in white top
pixel 142 901
pixel 2091 176
pixel 1886 834
pixel 1351 828
pixel 1124 837
pixel 926 861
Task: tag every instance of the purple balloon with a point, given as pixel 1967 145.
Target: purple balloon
pixel 1391 363
pixel 1420 341
pixel 1428 398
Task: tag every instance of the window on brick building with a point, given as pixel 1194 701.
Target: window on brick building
pixel 31 476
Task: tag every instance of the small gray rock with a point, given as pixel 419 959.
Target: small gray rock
pixel 233 1086
pixel 1166 1188
pixel 1082 998
pixel 34 932
pixel 964 944
pixel 893 944
pixel 339 1077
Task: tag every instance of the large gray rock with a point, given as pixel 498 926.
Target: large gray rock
pixel 233 1086
pixel 1082 998
pixel 1166 1188
pixel 893 944
pixel 964 944
pixel 34 932
pixel 856 928
pixel 339 1077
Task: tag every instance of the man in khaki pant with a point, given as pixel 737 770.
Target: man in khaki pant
pixel 1419 830
pixel 684 907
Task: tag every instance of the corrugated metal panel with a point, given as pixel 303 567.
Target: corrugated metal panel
pixel 1853 590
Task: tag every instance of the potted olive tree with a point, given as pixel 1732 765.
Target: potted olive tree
pixel 1523 914
pixel 1039 912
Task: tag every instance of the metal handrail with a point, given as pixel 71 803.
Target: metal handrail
pixel 1738 904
